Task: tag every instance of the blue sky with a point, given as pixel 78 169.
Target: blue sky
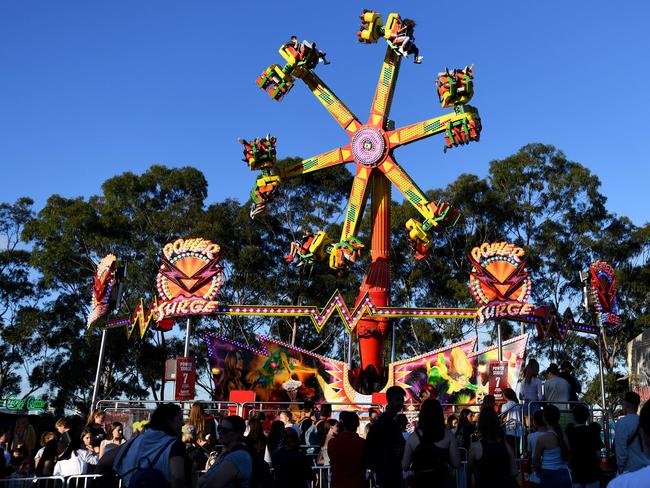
pixel 92 89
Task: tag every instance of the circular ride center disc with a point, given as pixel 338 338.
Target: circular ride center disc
pixel 368 146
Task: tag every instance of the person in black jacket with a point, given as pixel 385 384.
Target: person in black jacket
pixel 384 446
pixel 566 372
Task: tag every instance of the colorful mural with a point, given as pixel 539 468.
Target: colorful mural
pixel 279 372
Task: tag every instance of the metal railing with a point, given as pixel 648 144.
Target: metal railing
pixel 34 482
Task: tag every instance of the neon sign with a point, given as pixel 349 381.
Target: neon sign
pixel 29 403
pixel 603 292
pixel 499 281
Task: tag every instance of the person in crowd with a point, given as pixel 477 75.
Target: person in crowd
pixel 86 438
pixel 319 432
pixel 286 417
pixel 114 438
pixel 539 426
pixel 22 434
pixel 430 449
pixel 234 466
pixel 373 415
pixel 65 440
pixel 196 456
pixel 489 401
pixel 21 464
pixel 46 437
pixel 256 439
pixel 556 389
pixel 291 466
pixel 491 460
pixel 630 455
pixel 75 460
pixel 585 445
pixel 552 452
pixel 530 388
pixel 304 425
pixel 566 373
pixel 384 446
pixel 5 457
pixel 346 454
pixel 95 424
pixel 641 477
pixel 403 422
pixel 331 431
pixel 48 456
pixel 274 440
pixel 160 445
pixel 465 429
pixel 201 421
pixel 308 413
pixel 511 416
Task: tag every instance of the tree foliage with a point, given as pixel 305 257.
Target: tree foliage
pixel 536 198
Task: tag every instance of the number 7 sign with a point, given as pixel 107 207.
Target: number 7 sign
pixel 185 379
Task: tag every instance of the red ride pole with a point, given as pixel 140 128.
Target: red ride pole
pixel 371 331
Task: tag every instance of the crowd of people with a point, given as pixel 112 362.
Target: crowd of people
pixel 561 449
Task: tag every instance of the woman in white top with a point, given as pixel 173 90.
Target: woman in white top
pixel 530 387
pixel 78 463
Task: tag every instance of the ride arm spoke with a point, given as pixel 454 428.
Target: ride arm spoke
pixel 407 186
pixel 327 159
pixel 342 114
pixel 385 89
pixel 356 203
pixel 421 130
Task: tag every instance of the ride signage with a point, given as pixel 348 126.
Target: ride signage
pixel 499 281
pixel 185 379
pixel 498 379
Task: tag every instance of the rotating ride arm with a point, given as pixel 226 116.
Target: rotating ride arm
pixel 328 159
pixel 342 114
pixel 438 216
pixel 385 89
pixel 345 252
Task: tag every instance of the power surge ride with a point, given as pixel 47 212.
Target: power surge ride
pixel 371 149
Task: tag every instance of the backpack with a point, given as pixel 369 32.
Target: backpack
pixel 147 476
pixel 427 465
pixel 260 470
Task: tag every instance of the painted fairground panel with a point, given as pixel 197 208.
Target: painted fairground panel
pixel 276 372
pixel 455 374
pixel 441 374
pixel 514 351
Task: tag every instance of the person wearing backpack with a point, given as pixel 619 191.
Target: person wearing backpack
pixel 155 458
pixel 630 455
pixel 430 449
pixel 234 467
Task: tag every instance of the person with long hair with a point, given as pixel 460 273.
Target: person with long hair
pixel 201 421
pixel 430 449
pixel 491 460
pixel 465 429
pixel 86 438
pixel 530 387
pixel 256 439
pixel 160 445
pixel 233 365
pixel 552 453
pixel 114 438
pixel 95 424
pixel 274 440
pixel 75 460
